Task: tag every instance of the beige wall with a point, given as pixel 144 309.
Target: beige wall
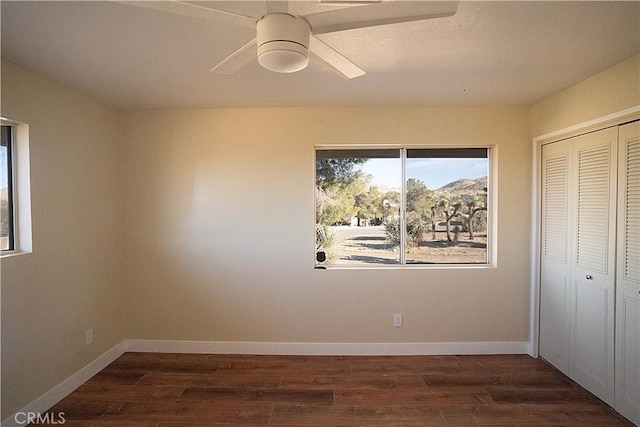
pixel 73 279
pixel 610 91
pixel 220 238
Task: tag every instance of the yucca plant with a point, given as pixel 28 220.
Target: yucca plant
pixel 327 241
pixel 414 232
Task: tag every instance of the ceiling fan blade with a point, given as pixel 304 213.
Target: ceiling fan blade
pixel 195 11
pixel 372 15
pixel 341 64
pixel 277 6
pixel 237 59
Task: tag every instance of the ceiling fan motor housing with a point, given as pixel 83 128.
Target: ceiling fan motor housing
pixel 283 42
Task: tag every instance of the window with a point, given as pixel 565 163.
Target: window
pixel 7 241
pixel 402 206
pixel 15 192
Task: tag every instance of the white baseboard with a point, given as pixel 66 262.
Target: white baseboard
pixel 59 392
pixel 327 349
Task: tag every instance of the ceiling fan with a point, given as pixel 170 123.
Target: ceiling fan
pixel 284 40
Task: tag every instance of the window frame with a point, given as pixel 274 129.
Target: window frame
pixel 491 213
pixel 20 189
pixel 10 132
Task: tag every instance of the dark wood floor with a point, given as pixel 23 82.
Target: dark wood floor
pixel 150 389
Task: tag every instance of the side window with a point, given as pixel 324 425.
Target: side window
pixel 401 206
pixel 15 189
pixel 7 230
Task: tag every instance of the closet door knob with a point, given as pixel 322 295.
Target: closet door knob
pixel 589 277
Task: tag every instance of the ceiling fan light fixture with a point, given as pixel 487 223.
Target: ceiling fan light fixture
pixel 283 56
pixel 283 42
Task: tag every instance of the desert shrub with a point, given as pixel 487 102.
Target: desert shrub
pixel 414 232
pixel 327 241
pixel 392 230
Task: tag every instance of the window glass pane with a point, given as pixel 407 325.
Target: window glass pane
pixel 357 207
pixel 6 206
pixel 446 206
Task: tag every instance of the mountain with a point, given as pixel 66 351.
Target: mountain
pixel 463 186
pixel 455 188
pixel 382 188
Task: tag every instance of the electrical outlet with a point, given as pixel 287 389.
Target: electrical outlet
pixel 88 336
pixel 397 320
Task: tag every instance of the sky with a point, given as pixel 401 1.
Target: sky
pixel 3 172
pixel 433 172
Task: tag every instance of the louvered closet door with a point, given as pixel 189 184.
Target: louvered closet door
pixel 556 248
pixel 628 275
pixel 591 361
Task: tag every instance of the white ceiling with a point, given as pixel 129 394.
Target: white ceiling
pixel 489 53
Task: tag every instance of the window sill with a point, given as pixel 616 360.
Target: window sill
pixel 13 254
pixel 409 267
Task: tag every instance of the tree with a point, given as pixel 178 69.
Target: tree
pixel 418 201
pixel 415 228
pixel 338 171
pixel 342 201
pixel 472 205
pixel 390 204
pixel 450 209
pixel 4 215
pixel 369 205
pixel 434 216
pixel 338 181
pixel 418 198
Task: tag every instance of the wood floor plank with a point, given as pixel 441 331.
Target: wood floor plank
pixel 520 360
pixel 106 423
pixel 367 415
pixel 352 382
pixel 283 366
pixel 169 362
pixel 117 376
pixel 546 414
pixel 207 424
pixel 96 392
pixel 240 396
pixel 441 396
pixel 410 365
pixel 75 410
pixel 531 394
pixel 254 381
pixel 463 377
pixel 485 377
pixel 174 379
pixel 178 390
pixel 217 379
pixel 192 412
